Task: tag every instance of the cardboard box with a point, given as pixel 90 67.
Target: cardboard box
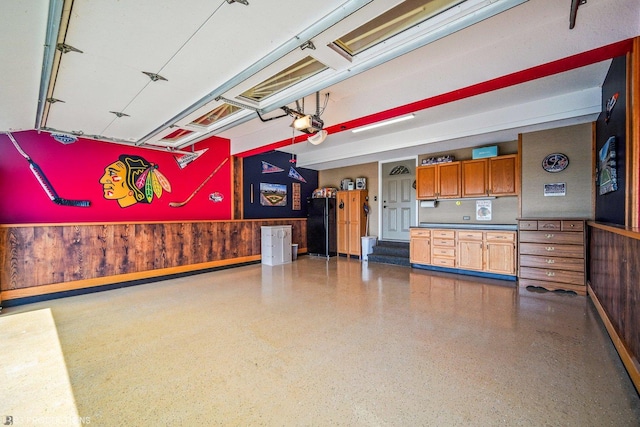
pixel 483 152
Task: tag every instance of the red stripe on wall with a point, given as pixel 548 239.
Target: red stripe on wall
pixel 545 70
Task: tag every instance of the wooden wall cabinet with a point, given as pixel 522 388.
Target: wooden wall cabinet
pixel 439 181
pixel 504 175
pixel 475 178
pixel 495 176
pixel 351 221
pixel 552 254
pixel 420 246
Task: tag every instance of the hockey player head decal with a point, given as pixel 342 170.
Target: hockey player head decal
pixel 131 179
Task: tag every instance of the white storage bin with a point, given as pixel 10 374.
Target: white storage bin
pixel 368 242
pixel 276 244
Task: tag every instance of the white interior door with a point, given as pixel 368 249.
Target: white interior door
pixel 398 199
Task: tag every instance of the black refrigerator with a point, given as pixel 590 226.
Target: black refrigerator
pixel 321 227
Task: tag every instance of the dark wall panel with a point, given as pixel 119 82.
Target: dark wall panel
pixel 253 176
pixel 610 207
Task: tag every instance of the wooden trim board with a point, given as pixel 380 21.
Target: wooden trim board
pixel 630 363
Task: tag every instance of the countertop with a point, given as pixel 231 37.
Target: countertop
pixel 506 227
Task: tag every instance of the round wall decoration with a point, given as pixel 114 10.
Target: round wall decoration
pixel 555 162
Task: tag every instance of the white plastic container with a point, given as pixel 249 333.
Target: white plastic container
pixel 368 242
pixel 276 244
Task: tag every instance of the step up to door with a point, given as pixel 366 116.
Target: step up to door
pixel 389 252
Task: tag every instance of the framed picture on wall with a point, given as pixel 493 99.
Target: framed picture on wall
pixel 296 201
pixel 555 189
pixel 607 170
pixel 273 194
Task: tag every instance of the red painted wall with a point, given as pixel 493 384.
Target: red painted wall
pixel 75 171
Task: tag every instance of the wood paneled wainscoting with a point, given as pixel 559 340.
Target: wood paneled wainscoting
pixel 614 287
pixel 37 259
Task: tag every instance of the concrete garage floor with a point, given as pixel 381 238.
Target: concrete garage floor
pixel 335 342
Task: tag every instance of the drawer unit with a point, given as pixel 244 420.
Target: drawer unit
pixel 572 264
pixel 562 276
pixel 552 237
pixel 496 236
pixel 447 252
pixel 420 232
pixel 550 249
pixel 445 234
pixel 444 242
pixel 470 235
pixel 443 248
pixel 552 253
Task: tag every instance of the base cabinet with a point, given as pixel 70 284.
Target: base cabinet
pixel 552 253
pixel 420 246
pixel 493 252
pixel 470 250
pixel 351 221
pixel 500 249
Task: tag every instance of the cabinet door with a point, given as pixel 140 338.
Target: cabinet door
pixel 449 180
pixel 470 255
pixel 474 178
pixel 501 258
pixel 420 250
pixel 426 182
pixel 353 227
pixel 504 175
pixel 342 232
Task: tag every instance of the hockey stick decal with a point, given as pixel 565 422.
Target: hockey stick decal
pixel 44 182
pixel 180 204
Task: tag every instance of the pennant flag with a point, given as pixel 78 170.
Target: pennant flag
pixel 295 175
pixel 185 159
pixel 269 168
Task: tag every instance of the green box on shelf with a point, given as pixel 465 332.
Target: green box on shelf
pixel 484 152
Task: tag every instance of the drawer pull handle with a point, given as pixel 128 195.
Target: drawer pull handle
pixel 550 274
pixel 549 226
pixel 550 249
pixel 551 261
pixel 549 235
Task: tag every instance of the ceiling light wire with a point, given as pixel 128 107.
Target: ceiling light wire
pixel 165 64
pixel 293 43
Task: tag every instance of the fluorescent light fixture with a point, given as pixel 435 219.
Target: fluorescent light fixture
pixel 385 123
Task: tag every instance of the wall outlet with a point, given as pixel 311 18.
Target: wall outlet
pixel 466 218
